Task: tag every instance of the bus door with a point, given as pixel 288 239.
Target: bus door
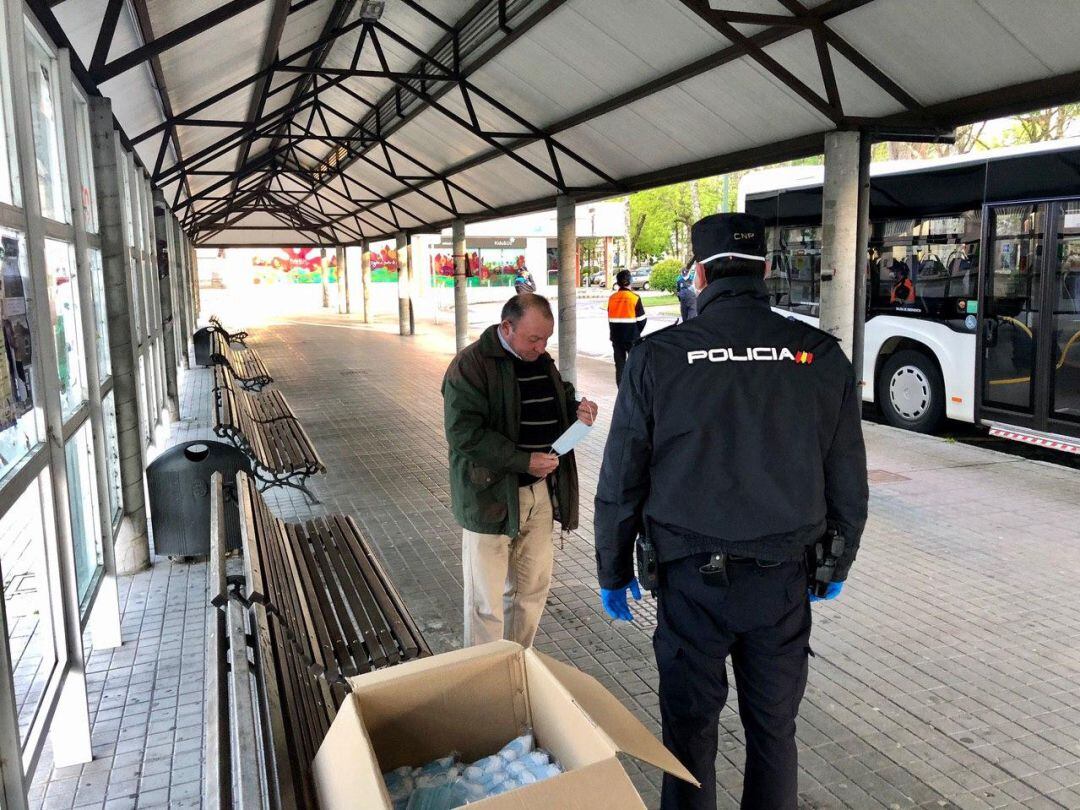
pixel 1029 340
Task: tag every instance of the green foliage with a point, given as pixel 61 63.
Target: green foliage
pixel 664 274
pixel 652 219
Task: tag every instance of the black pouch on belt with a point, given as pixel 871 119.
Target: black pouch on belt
pixel 714 572
pixel 648 564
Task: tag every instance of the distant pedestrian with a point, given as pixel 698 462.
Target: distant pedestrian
pixel 685 292
pixel 626 320
pixel 523 281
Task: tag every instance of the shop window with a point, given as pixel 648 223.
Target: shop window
pixel 45 115
pixel 97 278
pixel 67 325
pixel 83 503
pixel 112 461
pixel 18 417
pixel 31 641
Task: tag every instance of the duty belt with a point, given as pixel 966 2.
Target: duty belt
pixel 714 572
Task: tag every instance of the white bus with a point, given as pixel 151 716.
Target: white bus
pixel 973 285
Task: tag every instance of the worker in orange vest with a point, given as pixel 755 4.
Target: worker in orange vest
pixel 903 291
pixel 626 320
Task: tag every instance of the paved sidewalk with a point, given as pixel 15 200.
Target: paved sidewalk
pixel 948 674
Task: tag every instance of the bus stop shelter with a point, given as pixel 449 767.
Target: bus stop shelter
pixel 137 129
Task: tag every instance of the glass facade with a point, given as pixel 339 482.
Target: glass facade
pixel 112 462
pixel 97 278
pixel 144 409
pixel 19 411
pixel 45 115
pixel 87 202
pixel 67 324
pixel 9 163
pixel 24 538
pixel 41 140
pixel 83 502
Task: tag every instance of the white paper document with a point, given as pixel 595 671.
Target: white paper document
pixel 571 438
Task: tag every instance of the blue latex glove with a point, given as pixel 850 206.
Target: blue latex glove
pixel 614 601
pixel 832 590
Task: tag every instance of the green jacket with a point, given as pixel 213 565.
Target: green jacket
pixel 482 414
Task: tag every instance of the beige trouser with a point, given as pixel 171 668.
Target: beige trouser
pixel 509 577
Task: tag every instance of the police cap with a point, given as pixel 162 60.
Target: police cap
pixel 720 236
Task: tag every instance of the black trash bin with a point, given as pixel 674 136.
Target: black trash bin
pixel 201 343
pixel 178 482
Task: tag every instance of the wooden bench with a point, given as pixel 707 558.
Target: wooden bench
pixel 265 427
pixel 265 406
pixel 246 365
pixel 232 337
pixel 314 606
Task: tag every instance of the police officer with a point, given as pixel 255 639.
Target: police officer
pixel 732 500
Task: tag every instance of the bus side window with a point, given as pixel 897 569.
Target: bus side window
pixel 776 279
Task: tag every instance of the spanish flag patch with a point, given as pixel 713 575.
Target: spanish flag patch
pixel 804 357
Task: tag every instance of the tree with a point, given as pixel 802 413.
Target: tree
pixel 1049 124
pixel 968 137
pixel 652 221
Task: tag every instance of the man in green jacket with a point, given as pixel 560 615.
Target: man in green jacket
pixel 504 404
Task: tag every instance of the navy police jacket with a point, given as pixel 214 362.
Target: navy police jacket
pixel 737 431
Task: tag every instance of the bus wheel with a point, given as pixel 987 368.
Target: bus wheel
pixel 911 392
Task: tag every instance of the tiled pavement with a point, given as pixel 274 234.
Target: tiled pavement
pixel 947 675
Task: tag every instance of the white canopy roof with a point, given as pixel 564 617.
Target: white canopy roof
pixel 320 121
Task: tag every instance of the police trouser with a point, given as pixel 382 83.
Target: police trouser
pixel 762 620
pixel 621 351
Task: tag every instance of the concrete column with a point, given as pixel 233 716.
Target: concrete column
pixel 105 613
pixel 404 260
pixel 344 303
pixel 166 262
pixel 365 279
pixel 324 279
pixel 461 284
pixel 566 220
pixel 339 289
pixel 71 743
pixel 843 255
pixel 132 545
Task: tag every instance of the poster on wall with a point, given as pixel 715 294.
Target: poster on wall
pixel 294 266
pixel 16 396
pixel 488 266
pixel 384 266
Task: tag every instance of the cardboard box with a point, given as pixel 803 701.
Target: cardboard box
pixel 474 701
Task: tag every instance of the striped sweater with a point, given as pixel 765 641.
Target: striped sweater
pixel 539 411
